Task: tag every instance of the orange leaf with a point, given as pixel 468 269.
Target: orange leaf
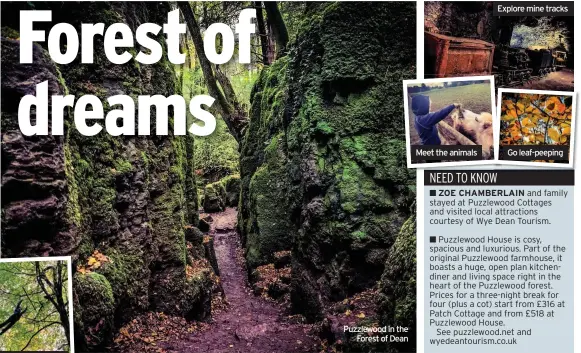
pixel 554 134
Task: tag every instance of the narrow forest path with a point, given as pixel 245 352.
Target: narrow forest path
pixel 250 323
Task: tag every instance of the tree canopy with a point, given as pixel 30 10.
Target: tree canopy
pixel 535 119
pixel 42 287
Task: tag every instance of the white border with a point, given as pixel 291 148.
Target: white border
pixel 495 121
pixel 69 262
pixel 535 164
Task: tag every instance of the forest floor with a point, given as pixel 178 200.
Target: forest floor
pixel 249 323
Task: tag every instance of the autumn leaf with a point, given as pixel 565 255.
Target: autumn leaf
pixel 566 131
pixel 535 119
pixel 527 122
pixel 508 104
pixel 554 103
pixel 554 134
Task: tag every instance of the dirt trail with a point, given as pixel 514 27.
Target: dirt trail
pixel 250 323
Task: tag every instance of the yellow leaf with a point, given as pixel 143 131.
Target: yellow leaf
pixel 511 113
pixel 91 261
pixel 348 312
pixel 527 122
pixel 566 131
pixel 554 134
pixel 554 103
pixel 530 138
pixel 508 103
pixel 361 315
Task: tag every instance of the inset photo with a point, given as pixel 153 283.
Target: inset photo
pixel 449 121
pixel 536 127
pixel 36 304
pixel 521 50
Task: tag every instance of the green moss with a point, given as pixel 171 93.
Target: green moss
pixel 359 235
pixel 324 128
pixel 397 298
pixel 10 33
pixel 270 226
pixel 144 158
pixel 123 167
pixel 358 191
pixel 97 306
pixel 323 159
pixel 214 197
pixel 124 272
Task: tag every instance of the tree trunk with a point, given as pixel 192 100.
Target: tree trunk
pixel 262 32
pixel 229 92
pixel 278 27
pixel 235 120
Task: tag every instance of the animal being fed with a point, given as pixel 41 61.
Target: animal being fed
pixel 18 312
pixel 477 127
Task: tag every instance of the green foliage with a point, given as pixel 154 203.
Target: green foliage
pixel 18 280
pixel 545 34
pixel 216 155
pixel 242 81
pixel 292 14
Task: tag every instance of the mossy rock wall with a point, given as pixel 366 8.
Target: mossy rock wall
pixel 264 218
pixel 37 214
pixel 397 288
pixel 130 198
pixel 337 186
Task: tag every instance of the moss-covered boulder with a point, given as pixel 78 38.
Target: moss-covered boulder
pixel 232 186
pixel 95 309
pixel 214 197
pixel 397 289
pixel 222 193
pixel 323 164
